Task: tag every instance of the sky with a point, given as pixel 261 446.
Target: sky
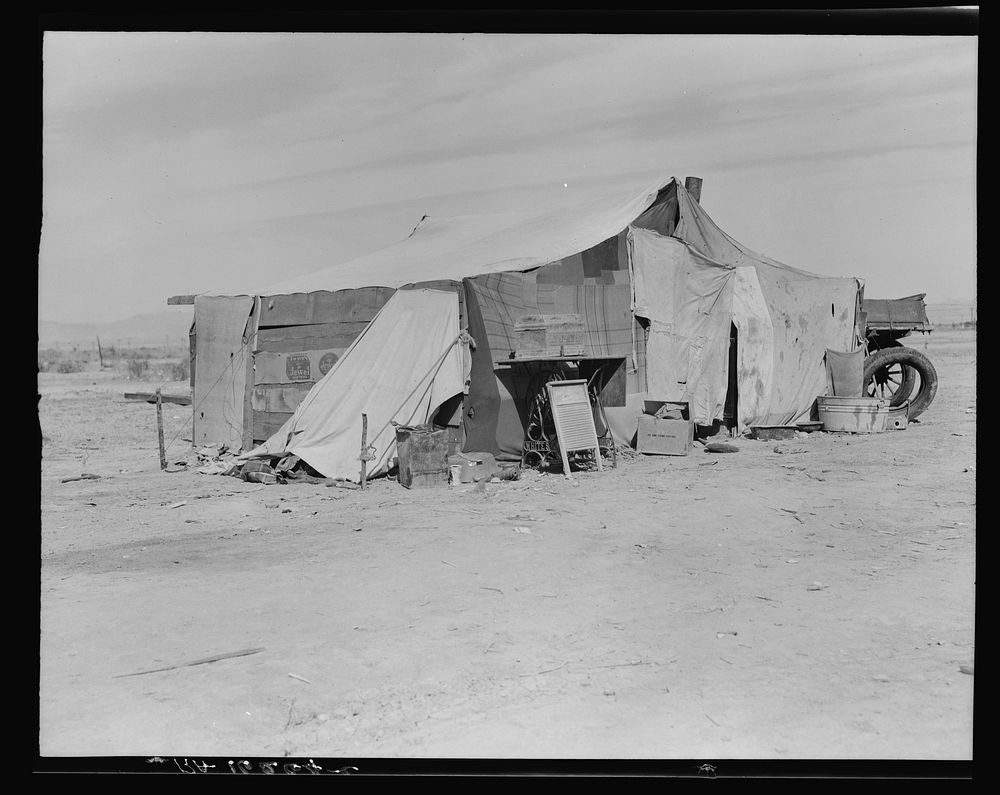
pixel 179 163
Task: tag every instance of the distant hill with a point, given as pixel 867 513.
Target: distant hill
pixel 150 329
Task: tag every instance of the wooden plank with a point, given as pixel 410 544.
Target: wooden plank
pixel 311 337
pixel 323 306
pixel 296 367
pixel 193 346
pixel 150 397
pixel 283 398
pixel 180 300
pixel 266 423
pixel 249 339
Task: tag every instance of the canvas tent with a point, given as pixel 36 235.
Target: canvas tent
pixel 676 307
pixel 402 368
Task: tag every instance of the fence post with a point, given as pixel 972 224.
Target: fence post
pixel 159 428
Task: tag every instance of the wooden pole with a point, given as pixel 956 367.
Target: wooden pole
pixel 364 449
pixel 100 353
pixel 159 429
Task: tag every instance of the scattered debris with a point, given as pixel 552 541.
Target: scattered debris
pixel 203 661
pixel 770 433
pixel 261 472
pixel 816 586
pixel 84 476
pixel 300 678
pixel 342 484
pixel 526 530
pixel 178 504
pixel 488 588
pixel 721 447
pixel 791 560
pixel 785 450
pixel 726 633
pixel 550 670
pixel 449 563
pixel 967 669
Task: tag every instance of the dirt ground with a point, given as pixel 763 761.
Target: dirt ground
pixel 811 598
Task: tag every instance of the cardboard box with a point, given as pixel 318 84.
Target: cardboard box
pixel 673 409
pixel 664 437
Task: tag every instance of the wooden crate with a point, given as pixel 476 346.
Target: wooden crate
pixel 549 335
pixel 423 456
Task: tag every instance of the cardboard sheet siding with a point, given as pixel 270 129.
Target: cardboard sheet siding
pixel 323 306
pixel 266 423
pixel 283 398
pixel 298 367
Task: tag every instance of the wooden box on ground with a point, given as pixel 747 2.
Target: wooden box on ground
pixel 423 456
pixel 665 436
pixel 772 433
pixel 549 335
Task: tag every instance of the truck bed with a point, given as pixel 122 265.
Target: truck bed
pixel 896 314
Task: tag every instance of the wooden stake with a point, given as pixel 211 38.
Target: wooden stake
pixel 100 353
pixel 364 449
pixel 203 661
pixel 159 429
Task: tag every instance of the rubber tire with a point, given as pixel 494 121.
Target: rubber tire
pixel 908 357
pixel 900 396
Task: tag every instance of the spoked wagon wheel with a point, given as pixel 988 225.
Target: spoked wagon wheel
pixel 898 374
pixel 893 382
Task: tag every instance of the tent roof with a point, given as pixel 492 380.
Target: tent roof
pixel 455 247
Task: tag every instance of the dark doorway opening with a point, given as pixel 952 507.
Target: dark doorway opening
pixel 729 415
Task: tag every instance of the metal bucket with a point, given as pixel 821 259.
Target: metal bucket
pixel 852 414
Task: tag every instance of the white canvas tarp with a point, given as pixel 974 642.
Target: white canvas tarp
pixel 754 348
pixel 455 247
pixel 404 365
pixel 688 300
pixel 785 319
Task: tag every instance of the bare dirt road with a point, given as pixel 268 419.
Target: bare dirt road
pixel 802 599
